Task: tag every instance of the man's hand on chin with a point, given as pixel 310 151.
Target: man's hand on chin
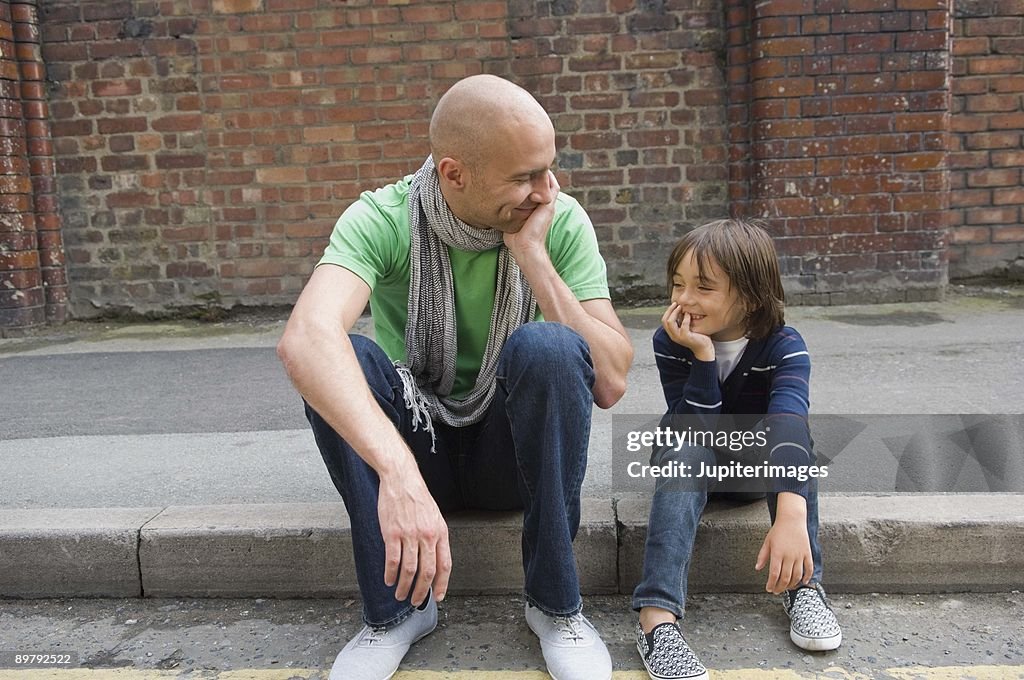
pixel 533 234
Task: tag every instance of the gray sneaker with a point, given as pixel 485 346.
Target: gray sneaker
pixel 813 625
pixel 374 654
pixel 572 648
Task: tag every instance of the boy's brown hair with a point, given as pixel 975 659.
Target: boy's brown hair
pixel 746 254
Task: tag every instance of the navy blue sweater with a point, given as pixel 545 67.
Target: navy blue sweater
pixel 770 380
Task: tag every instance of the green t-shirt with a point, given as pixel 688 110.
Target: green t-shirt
pixel 371 239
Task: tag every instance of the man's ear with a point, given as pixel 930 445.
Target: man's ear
pixel 452 172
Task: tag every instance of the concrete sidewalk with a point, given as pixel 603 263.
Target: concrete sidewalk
pixel 173 459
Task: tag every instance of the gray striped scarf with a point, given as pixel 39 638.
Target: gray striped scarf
pixel 430 332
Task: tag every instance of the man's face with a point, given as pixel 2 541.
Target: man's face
pixel 511 180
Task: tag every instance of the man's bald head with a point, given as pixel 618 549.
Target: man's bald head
pixel 479 111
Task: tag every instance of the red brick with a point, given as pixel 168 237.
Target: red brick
pixel 1008 234
pixel 652 138
pixel 970 46
pixel 130 199
pixel 916 122
pixel 237 6
pixel 856 23
pixel 993 178
pixel 596 140
pixel 920 42
pixel 281 175
pixel 922 4
pixel 961 198
pixel 993 26
pixel 786 47
pixel 116 88
pixel 178 123
pixel 107 126
pixel 972 159
pixel 988 65
pixel 961 235
pixel 881 43
pixel 1008 45
pixel 469 11
pixel 429 14
pixel 992 215
pixel 597 101
pixel 919 162
pixel 1002 159
pixel 993 140
pixel 999 84
pixel 1008 196
pixel 771 8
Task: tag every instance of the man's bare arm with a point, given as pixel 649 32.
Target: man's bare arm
pixel 319 358
pixel 610 348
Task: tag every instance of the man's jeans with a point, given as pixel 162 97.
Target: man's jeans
pixel 672 528
pixel 529 452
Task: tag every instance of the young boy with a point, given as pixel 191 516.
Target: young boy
pixel 723 350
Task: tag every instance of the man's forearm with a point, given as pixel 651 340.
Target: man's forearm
pixel 342 396
pixel 611 351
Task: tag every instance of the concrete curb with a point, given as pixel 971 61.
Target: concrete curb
pixel 901 543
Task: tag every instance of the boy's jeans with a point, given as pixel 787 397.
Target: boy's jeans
pixel 672 528
pixel 529 452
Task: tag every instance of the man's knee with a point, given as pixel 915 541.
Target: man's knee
pixel 546 350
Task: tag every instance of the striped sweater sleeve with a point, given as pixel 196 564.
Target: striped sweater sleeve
pixel 788 436
pixel 691 386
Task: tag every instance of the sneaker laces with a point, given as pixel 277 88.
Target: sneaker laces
pixel 570 627
pixel 373 635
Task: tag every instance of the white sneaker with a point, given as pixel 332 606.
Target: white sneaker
pixel 374 654
pixel 572 648
pixel 813 625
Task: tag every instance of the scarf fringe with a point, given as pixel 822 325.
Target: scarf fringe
pixel 416 403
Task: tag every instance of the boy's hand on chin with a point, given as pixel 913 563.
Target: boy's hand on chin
pixel 677 324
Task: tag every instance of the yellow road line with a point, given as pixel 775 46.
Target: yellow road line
pixel 832 673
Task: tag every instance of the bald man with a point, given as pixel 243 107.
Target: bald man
pixel 494 336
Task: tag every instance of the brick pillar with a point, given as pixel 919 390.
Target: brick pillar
pixel 845 141
pixel 33 288
pixel 21 286
pixel 36 115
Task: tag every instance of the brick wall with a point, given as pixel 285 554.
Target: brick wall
pixel 987 234
pixel 33 286
pixel 840 112
pixel 205 149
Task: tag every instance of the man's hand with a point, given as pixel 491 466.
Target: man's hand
pixel 676 323
pixel 534 232
pixel 416 551
pixel 787 546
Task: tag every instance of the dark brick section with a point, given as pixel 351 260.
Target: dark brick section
pixel 636 93
pixel 33 286
pixel 840 116
pixel 987 129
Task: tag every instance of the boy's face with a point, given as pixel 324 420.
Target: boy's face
pixel 713 304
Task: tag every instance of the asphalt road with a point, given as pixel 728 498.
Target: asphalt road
pixel 737 636
pixel 107 414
